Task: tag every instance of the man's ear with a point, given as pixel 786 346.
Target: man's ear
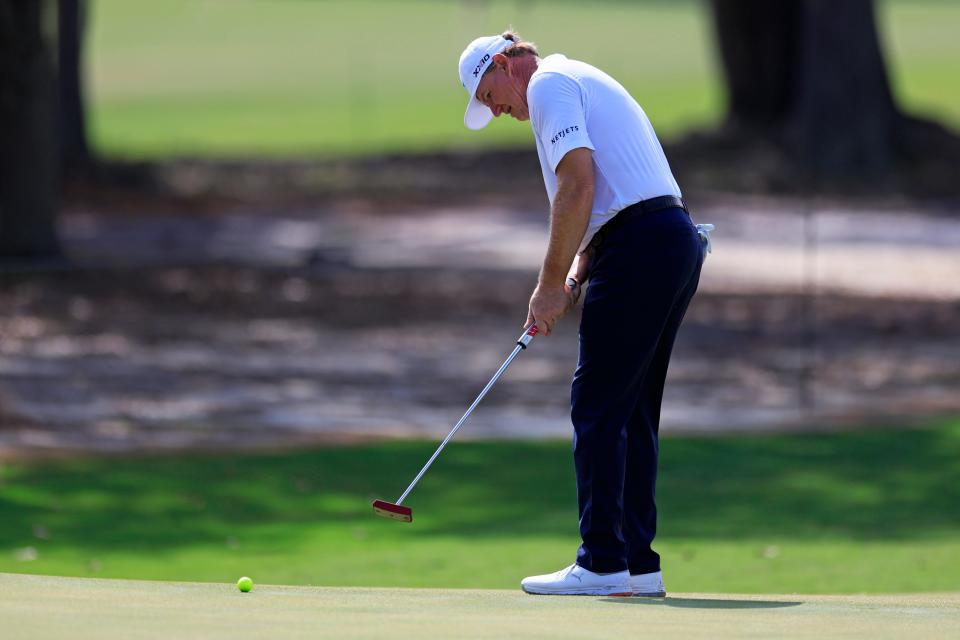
pixel 502 61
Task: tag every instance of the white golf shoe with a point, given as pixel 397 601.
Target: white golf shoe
pixel 577 581
pixel 648 584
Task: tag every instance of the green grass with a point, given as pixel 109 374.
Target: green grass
pixel 38 608
pixel 923 56
pixel 293 77
pixel 289 77
pixel 820 513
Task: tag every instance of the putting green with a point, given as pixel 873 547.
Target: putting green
pixel 46 607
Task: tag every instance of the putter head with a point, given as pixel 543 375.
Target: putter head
pixel 386 509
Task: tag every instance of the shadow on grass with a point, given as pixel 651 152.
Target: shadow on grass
pixel 703 603
pixel 883 485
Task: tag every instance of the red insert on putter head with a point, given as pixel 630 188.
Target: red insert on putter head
pixel 392 511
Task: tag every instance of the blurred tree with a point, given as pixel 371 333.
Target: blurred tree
pixel 71 25
pixel 29 177
pixel 810 76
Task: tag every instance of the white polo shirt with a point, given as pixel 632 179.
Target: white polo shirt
pixel 572 105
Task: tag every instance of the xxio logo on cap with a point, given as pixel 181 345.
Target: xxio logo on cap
pixel 476 70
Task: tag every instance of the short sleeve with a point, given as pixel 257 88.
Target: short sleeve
pixel 556 108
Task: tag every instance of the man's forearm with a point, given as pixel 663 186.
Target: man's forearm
pixel 569 217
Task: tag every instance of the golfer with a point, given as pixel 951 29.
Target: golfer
pixel 616 216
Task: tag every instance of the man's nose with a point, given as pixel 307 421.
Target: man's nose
pixel 497 110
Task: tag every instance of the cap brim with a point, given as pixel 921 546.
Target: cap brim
pixel 478 115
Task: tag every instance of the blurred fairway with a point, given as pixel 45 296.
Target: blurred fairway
pixel 37 608
pixel 288 77
pixel 821 513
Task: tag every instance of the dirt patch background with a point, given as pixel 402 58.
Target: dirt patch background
pixel 251 325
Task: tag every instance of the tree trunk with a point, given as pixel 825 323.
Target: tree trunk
pixel 29 179
pixel 758 43
pixel 71 25
pixel 810 75
pixel 843 117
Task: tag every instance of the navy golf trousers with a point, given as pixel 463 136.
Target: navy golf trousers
pixel 641 282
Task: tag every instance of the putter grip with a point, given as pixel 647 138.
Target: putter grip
pixel 528 335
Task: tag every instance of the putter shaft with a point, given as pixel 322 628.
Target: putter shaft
pixel 522 343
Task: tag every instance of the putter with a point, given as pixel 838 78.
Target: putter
pixel 396 510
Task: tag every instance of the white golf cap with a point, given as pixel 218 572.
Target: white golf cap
pixel 473 62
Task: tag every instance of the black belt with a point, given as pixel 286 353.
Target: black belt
pixel 638 209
